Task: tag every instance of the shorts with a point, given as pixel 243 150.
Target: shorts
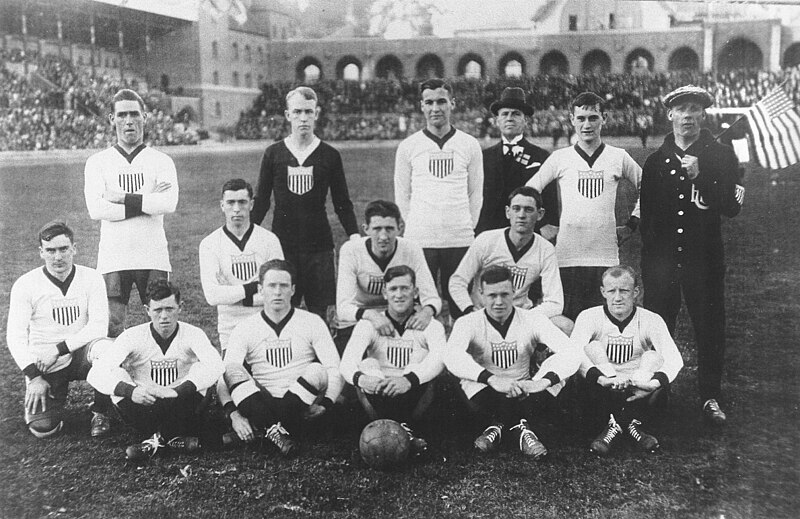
pixel 120 283
pixel 316 278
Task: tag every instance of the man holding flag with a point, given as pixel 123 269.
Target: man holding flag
pixel 686 185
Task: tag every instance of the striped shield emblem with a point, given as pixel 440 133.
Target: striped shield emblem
pixel 279 352
pixel 440 163
pixel 300 179
pixel 130 180
pixel 504 354
pixel 375 285
pixel 244 267
pixel 164 372
pixel 619 348
pixel 398 352
pixel 517 276
pixel 590 183
pixel 66 311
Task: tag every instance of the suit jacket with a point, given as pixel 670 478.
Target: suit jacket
pixel 502 175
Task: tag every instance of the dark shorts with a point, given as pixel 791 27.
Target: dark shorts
pixel 316 277
pixel 581 289
pixel 120 283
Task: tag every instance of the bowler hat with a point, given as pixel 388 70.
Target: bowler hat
pixel 512 97
pixel 688 93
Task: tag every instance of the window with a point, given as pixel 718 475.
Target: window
pixel 217 109
pixel 612 23
pixel 260 79
pixel 215 77
pixel 283 33
pixel 573 22
pixel 248 80
pixel 236 79
pixel 260 55
pixel 235 48
pixel 248 55
pixel 214 50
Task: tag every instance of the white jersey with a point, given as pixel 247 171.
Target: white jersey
pixel 587 235
pixel 278 358
pixel 537 261
pixel 136 358
pixel 476 345
pixel 131 234
pixel 438 186
pixel 642 331
pixel 227 264
pixel 406 351
pixel 360 278
pixel 44 312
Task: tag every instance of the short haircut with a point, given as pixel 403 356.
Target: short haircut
pixel 588 99
pixel 399 271
pixel 620 270
pixel 433 84
pixel 237 184
pixel 160 289
pixel 55 228
pixel 304 91
pixel 126 94
pixel 494 274
pixel 526 191
pixel 277 264
pixel 382 208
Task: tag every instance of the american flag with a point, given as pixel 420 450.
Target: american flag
pixel 775 124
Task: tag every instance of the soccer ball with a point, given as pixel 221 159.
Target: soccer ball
pixel 384 444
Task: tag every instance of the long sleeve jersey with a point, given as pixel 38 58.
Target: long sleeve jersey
pixel 131 234
pixel 534 261
pixel 438 186
pixel 587 235
pixel 360 283
pixel 300 183
pixel 45 312
pixel 189 362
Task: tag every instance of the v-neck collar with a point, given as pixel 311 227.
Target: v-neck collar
pixel 440 141
pixel 590 159
pixel 621 325
pixel 62 285
pixel 132 155
pixel 241 244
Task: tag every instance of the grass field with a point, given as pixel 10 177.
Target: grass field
pixel 750 469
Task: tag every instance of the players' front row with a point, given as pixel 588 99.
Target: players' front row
pixel 282 369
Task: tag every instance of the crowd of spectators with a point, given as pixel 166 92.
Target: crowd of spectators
pixel 60 107
pixel 388 109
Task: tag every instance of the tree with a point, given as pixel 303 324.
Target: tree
pixel 408 18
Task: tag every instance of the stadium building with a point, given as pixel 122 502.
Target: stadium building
pixel 214 62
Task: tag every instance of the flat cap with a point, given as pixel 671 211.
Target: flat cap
pixel 688 93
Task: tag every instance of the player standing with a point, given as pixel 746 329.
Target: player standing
pixel 588 174
pixel 231 256
pixel 686 186
pixel 491 351
pixel 300 170
pixel 393 373
pixel 293 373
pixel 630 360
pixel 438 185
pixel 362 265
pixel 129 188
pixel 157 375
pixel 55 313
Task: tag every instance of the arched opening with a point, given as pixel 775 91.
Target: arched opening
pixel 512 64
pixel 309 70
pixel 349 69
pixel 684 58
pixel 639 61
pixel 596 62
pixel 430 66
pixel 471 66
pixel 389 67
pixel 740 53
pixel 554 63
pixel 791 57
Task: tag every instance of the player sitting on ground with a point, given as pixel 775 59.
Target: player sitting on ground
pixel 230 257
pixel 54 314
pixel 491 352
pixel 362 265
pixel 158 374
pixel 630 360
pixel 393 374
pixel 527 255
pixel 294 365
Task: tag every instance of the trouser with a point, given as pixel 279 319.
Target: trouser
pixel 445 261
pixel 703 292
pixel 603 401
pixel 490 407
pixel 316 280
pixel 181 416
pixel 407 407
pixel 581 289
pixel 119 285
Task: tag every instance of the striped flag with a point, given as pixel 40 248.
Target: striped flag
pixel 775 124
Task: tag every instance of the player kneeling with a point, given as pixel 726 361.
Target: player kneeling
pixel 393 375
pixel 158 374
pixel 491 351
pixel 630 360
pixel 293 365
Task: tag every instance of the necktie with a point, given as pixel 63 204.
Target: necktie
pixel 507 150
